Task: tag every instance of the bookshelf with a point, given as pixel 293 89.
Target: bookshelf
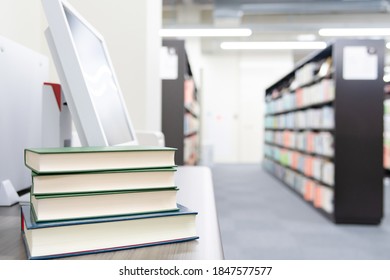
pixel 181 109
pixel 324 131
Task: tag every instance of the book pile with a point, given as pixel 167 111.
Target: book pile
pixel 319 143
pixel 320 92
pixel 321 118
pixel 320 195
pixel 97 199
pixel 317 168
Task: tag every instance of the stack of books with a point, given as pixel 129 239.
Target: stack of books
pixel 96 199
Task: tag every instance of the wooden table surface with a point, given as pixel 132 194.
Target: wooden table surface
pixel 196 192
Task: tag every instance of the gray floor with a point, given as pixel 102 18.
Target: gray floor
pixel 261 219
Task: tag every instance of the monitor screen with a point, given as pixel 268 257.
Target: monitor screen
pixel 95 97
pixel 100 82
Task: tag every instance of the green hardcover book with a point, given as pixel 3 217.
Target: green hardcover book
pixel 103 181
pixel 85 159
pixel 46 240
pixel 103 204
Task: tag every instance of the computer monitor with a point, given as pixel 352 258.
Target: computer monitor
pixel 87 77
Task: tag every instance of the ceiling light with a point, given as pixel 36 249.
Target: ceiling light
pixel 272 45
pixel 354 32
pixel 203 32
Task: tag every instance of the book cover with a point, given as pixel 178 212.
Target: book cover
pixel 84 159
pixel 101 204
pixel 103 181
pixel 58 239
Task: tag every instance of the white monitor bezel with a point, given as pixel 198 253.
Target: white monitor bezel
pixel 70 72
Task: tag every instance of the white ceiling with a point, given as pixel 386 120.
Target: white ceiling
pixel 274 20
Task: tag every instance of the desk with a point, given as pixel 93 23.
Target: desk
pixel 196 192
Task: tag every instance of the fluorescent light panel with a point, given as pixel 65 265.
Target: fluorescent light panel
pixel 354 32
pixel 203 32
pixel 306 37
pixel 273 45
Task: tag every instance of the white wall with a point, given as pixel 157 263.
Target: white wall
pixel 220 97
pixel 20 21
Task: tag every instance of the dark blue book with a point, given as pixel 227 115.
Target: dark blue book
pixel 58 239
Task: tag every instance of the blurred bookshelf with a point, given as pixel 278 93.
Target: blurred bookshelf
pixel 181 107
pixel 324 131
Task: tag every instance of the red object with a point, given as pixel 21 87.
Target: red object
pixel 309 190
pixel 386 156
pixel 57 93
pixel 22 222
pixel 317 197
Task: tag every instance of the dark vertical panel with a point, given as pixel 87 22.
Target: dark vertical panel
pixel 358 140
pixel 173 103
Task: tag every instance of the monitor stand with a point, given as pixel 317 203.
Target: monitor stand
pixel 9 196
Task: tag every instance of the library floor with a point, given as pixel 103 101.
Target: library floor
pixel 261 219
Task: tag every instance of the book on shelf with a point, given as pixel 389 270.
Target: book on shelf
pixel 309 187
pixel 328 173
pixel 386 153
pixel 311 166
pixel 103 181
pixel 82 159
pixel 87 205
pixel 323 198
pixel 386 134
pixel 45 240
pixel 386 106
